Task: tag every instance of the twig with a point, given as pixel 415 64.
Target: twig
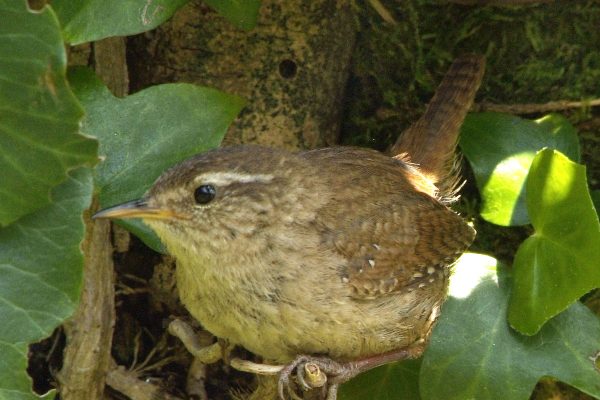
pixel 498 2
pixel 127 382
pixel 208 354
pixel 383 12
pixel 518 109
pixel 158 350
pixel 196 379
pixel 533 108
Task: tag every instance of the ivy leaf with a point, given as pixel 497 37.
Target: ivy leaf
pixel 596 199
pixel 396 381
pixel 39 116
pixel 474 354
pixel 500 149
pixel 559 263
pixel 41 267
pixel 89 20
pixel 242 14
pixel 143 134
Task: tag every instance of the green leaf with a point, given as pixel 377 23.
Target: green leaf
pixel 559 263
pixel 15 384
pixel 241 13
pixel 88 20
pixel 596 199
pixel 41 267
pixel 397 381
pixel 143 134
pixel 500 149
pixel 39 116
pixel 474 354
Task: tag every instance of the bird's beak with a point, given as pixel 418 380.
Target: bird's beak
pixel 137 209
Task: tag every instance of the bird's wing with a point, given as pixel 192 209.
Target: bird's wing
pixel 405 247
pixel 391 232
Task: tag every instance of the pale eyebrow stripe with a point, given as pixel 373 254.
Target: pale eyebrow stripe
pixel 226 178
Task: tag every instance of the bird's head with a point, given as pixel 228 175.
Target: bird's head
pixel 232 194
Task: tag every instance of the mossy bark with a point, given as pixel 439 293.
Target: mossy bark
pixel 291 68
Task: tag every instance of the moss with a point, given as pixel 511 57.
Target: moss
pixel 535 53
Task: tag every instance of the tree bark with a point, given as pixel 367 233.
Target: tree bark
pixel 89 332
pixel 292 68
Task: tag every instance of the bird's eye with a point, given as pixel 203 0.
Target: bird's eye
pixel 204 194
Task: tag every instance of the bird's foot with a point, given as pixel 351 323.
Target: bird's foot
pixel 327 375
pixel 311 373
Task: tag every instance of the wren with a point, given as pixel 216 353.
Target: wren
pixel 338 256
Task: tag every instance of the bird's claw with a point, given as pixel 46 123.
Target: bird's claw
pixel 311 373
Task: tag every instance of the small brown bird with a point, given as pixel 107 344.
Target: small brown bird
pixel 332 254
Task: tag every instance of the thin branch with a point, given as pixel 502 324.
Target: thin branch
pixel 127 382
pixel 498 2
pixel 534 108
pixel 383 12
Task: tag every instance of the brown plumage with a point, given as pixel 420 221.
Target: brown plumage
pixel 398 238
pixel 342 252
pixel 431 142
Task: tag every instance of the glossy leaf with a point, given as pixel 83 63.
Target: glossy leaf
pixel 41 268
pixel 596 199
pixel 242 14
pixel 39 116
pixel 474 354
pixel 397 381
pixel 560 262
pixel 88 20
pixel 500 149
pixel 143 134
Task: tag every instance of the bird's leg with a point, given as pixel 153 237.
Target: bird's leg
pixel 255 368
pixel 335 373
pixel 312 372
